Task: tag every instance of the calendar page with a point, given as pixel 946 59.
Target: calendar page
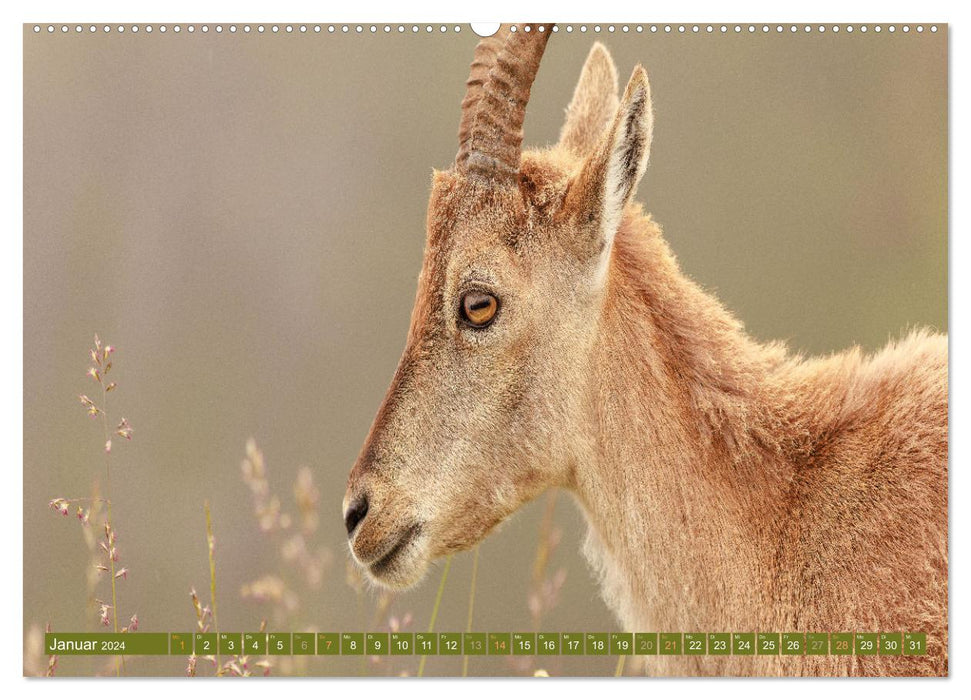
pixel 438 349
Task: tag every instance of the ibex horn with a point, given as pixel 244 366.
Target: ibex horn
pixel 491 130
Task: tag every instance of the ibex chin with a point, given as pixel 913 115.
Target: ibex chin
pixel 728 485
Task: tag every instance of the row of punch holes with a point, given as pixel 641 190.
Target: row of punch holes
pixel 442 29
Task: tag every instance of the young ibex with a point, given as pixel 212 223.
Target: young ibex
pixel 554 342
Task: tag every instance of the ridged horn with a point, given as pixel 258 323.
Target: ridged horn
pixel 502 73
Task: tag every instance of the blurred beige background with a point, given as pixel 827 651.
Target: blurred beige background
pixel 242 216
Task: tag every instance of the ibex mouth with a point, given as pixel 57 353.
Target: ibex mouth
pixel 386 562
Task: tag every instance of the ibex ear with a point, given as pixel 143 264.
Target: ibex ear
pixel 593 105
pixel 606 181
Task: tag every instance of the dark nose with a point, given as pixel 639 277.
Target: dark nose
pixel 355 514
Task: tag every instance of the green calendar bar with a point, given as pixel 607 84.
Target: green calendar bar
pixel 841 643
pixel 767 643
pixel 670 643
pixel 817 643
pixel 793 644
pixel 254 643
pixel 475 643
pixel 230 643
pixel 915 643
pixel 180 643
pixel 279 643
pixel 304 643
pixel 426 643
pixel 695 644
pixel 866 643
pixel 205 643
pixel 621 643
pixel 743 644
pixel 500 644
pixel 450 644
pixel 891 643
pixel 377 643
pixel 548 643
pixel 572 644
pixel 597 644
pixel 106 643
pixel 645 643
pixel 352 643
pixel 402 643
pixel 719 643
pixel 523 644
pixel 490 644
pixel 328 643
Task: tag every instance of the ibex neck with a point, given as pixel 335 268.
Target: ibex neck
pixel 687 427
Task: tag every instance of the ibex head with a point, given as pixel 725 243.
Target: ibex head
pixel 483 410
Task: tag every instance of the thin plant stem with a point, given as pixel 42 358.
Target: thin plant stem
pixel 212 580
pixel 619 671
pixel 468 625
pixel 438 602
pixel 119 662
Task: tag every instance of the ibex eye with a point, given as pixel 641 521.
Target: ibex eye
pixel 479 308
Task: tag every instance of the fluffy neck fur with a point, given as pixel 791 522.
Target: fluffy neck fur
pixel 695 434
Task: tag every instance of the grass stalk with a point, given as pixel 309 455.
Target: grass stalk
pixel 120 661
pixel 468 625
pixel 211 542
pixel 438 602
pixel 619 671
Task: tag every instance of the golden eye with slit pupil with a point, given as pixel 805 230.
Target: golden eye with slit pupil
pixel 478 309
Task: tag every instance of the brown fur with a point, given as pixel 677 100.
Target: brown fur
pixel 728 485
